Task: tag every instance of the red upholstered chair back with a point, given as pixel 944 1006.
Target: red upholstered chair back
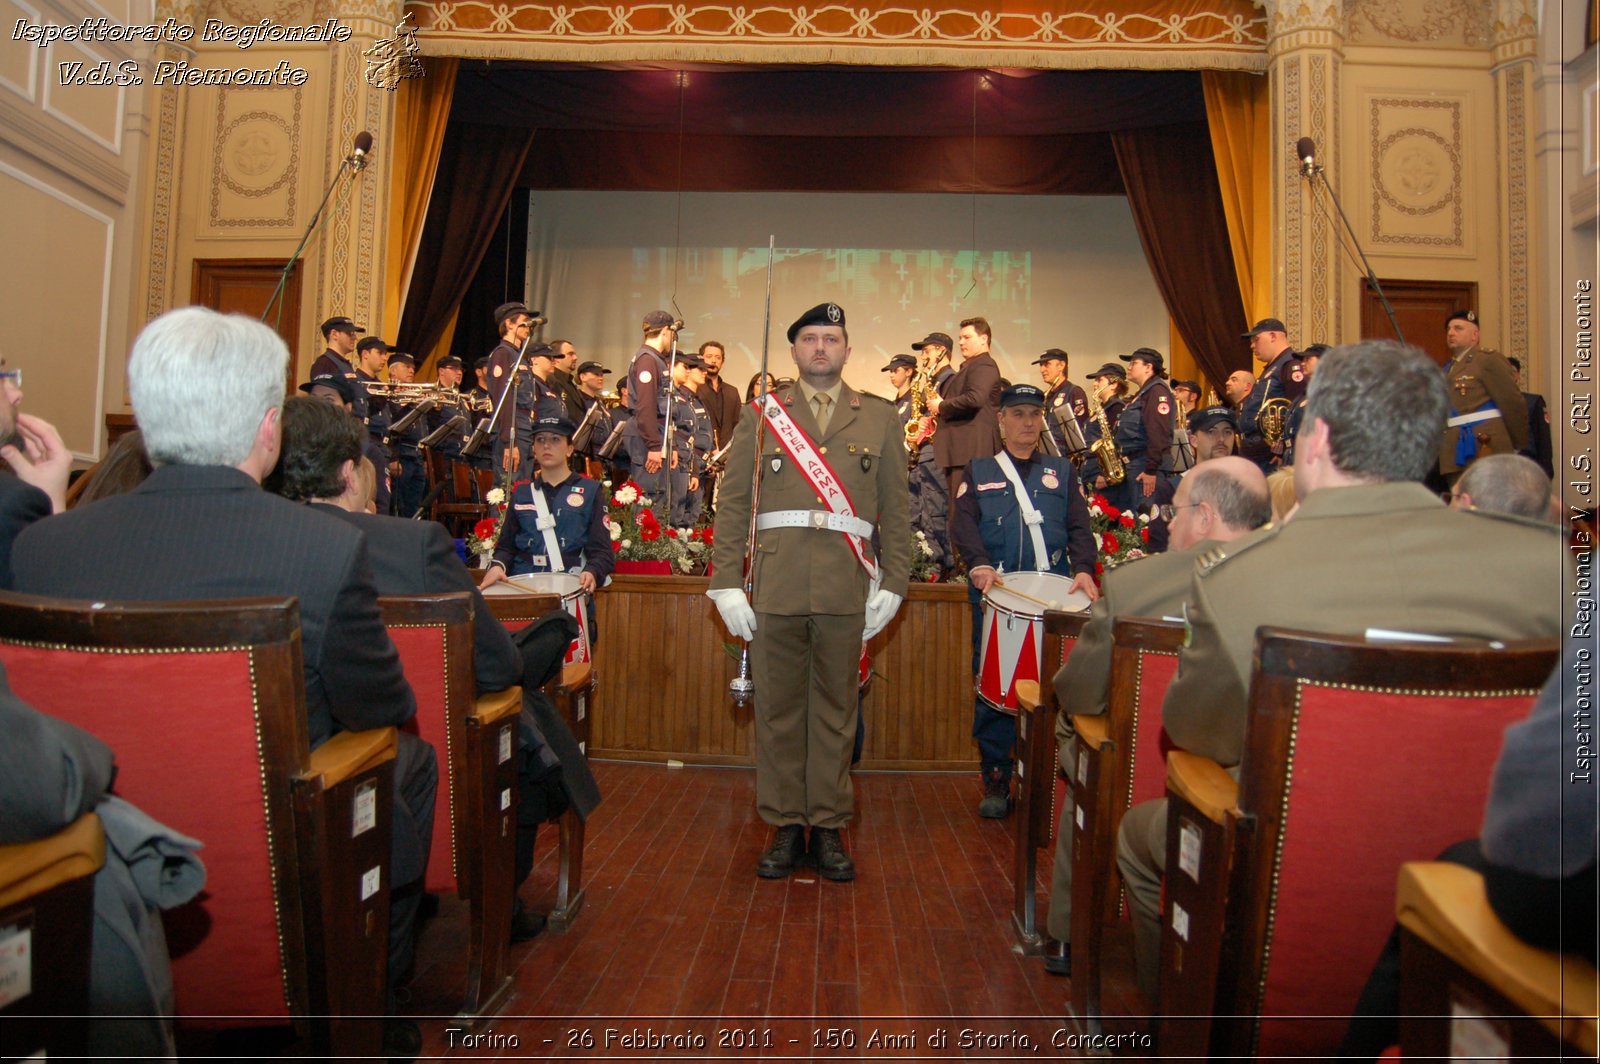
pixel 204 705
pixel 1359 757
pixel 1144 659
pixel 519 611
pixel 1061 631
pixel 433 634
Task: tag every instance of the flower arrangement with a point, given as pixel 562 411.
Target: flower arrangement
pixel 486 533
pixel 637 534
pixel 1120 535
pixel 924 565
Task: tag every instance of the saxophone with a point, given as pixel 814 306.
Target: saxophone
pixel 920 425
pixel 1104 449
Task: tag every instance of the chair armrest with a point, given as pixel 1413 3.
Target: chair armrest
pixel 1204 784
pixel 1028 696
pixel 1091 730
pixel 31 868
pixel 350 753
pixel 495 707
pixel 574 677
pixel 1445 906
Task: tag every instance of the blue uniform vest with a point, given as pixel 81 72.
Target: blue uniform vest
pixel 572 524
pixel 1000 524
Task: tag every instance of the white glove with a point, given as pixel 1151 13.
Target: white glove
pixel 735 609
pixel 881 609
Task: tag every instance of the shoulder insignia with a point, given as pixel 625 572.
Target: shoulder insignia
pixel 1162 407
pixel 644 376
pixel 499 371
pixel 855 402
pixel 1211 559
pixel 961 489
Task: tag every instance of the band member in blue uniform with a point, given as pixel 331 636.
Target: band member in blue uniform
pixel 930 496
pixel 1284 377
pixel 411 484
pixel 994 529
pixel 514 426
pixel 1108 384
pixel 340 335
pixel 692 438
pixel 1144 431
pixel 1063 400
pixel 647 384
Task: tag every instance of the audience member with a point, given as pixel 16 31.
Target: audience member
pixel 36 484
pixel 123 468
pixel 207 389
pixel 1388 554
pixel 1506 484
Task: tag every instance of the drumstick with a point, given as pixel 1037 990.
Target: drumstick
pixel 998 582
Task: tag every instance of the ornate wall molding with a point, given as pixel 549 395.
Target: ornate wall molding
pixel 1519 296
pixel 1415 151
pixel 1232 35
pixel 1419 22
pixel 255 157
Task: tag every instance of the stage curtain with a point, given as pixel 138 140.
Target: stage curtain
pixel 1237 112
pixel 478 168
pixel 1177 207
pixel 422 113
pixel 1181 363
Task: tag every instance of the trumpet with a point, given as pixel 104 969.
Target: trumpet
pixel 411 394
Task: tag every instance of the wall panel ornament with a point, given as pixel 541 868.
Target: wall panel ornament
pixel 1413 22
pixel 1217 34
pixel 255 162
pixel 1416 177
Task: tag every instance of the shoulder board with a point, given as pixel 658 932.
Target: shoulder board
pixel 1526 522
pixel 879 398
pixel 1214 558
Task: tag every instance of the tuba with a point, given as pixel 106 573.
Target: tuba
pixel 1104 449
pixel 1272 420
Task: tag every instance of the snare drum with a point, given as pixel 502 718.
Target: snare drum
pixel 573 599
pixel 1012 647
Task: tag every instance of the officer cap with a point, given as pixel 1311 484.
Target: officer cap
pixel 511 310
pixel 542 351
pixel 1148 355
pixel 369 342
pixel 942 339
pixel 1054 354
pixel 1315 350
pixel 1110 369
pixel 449 362
pixel 1210 416
pixel 691 360
pixel 401 356
pixel 1463 315
pixel 341 323
pixel 481 362
pixel 592 367
pixel 554 423
pixel 898 361
pixel 1021 395
pixel 1265 325
pixel 821 314
pixel 336 382
pixel 1193 386
pixel 657 319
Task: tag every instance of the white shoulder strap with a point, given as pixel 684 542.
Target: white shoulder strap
pixel 547 525
pixel 1032 518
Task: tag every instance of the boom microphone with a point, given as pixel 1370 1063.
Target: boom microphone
pixel 1306 149
pixel 358 160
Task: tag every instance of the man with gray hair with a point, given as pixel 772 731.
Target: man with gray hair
pixel 1506 484
pixel 1217 502
pixel 208 392
pixel 1388 555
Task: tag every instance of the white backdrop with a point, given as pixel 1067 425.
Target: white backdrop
pixel 1051 271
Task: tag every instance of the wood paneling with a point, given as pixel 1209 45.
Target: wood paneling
pixel 664 674
pixel 1420 307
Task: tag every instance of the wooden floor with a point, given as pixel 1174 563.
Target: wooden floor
pixel 678 937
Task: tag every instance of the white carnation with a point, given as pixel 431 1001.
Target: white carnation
pixel 627 495
pixel 615 530
pixel 495 497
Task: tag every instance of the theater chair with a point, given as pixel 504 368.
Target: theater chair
pixel 520 610
pixel 456 504
pixel 204 706
pixel 46 928
pixel 1119 762
pixel 1358 757
pixel 573 694
pixel 476 740
pixel 1040 785
pixel 1469 986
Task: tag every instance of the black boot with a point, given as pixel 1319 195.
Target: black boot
pixel 996 794
pixel 788 846
pixel 827 853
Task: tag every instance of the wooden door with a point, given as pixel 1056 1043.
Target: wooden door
pixel 1421 308
pixel 243 286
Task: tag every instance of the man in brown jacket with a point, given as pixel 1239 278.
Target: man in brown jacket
pixel 814 602
pixel 968 407
pixel 1370 547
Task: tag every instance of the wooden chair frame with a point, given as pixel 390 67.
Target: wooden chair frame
pixel 458 505
pixel 333 942
pixel 1212 981
pixel 573 693
pixel 481 785
pixel 1037 774
pixel 1102 790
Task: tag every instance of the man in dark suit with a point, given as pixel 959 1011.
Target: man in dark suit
pixel 39 461
pixel 1538 447
pixel 201 528
pixel 968 407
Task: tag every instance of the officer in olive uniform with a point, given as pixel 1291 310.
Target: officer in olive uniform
pixel 412 483
pixel 814 604
pixel 1284 377
pixel 340 335
pixel 930 498
pixel 1487 412
pixel 1063 400
pixel 1144 431
pixel 647 384
pixel 991 532
pixel 1109 381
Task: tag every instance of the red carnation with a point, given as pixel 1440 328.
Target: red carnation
pixel 1109 543
pixel 1111 512
pixel 1144 533
pixel 705 535
pixel 1100 501
pixel 647 519
pixel 484 529
pixel 1126 521
pixel 649 532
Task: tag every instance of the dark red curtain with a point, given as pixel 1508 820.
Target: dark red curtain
pixel 478 168
pixel 1171 180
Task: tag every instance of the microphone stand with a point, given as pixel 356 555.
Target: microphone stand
pixel 347 163
pixel 1313 170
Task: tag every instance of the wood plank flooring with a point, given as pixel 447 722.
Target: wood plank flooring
pixel 679 940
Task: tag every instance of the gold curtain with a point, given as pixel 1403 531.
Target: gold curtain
pixel 1241 140
pixel 422 110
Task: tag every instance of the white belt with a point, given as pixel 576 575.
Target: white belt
pixel 814 519
pixel 1472 418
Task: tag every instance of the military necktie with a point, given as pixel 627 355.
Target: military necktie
pixel 822 402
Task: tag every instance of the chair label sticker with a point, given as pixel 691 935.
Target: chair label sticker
pixel 16 964
pixel 1472 1034
pixel 1180 921
pixel 505 799
pixel 583 708
pixel 1083 767
pixel 366 808
pixel 505 744
pixel 371 880
pixel 1078 815
pixel 1189 849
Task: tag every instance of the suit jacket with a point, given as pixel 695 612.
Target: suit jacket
pixel 722 406
pixel 1381 556
pixel 21 504
pixel 1538 447
pixel 1155 586
pixel 51 773
pixel 969 414
pixel 419 558
pixel 800 571
pixel 211 532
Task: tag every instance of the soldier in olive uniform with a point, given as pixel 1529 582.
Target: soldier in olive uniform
pixel 1487 412
pixel 814 602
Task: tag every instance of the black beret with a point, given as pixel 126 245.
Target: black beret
pixel 1462 315
pixel 821 314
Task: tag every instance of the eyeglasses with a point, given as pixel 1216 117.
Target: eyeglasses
pixel 1168 510
pixel 12 375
